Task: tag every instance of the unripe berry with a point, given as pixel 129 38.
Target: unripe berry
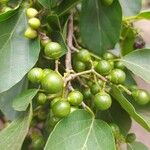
pixel 53 50
pixel 34 23
pixel 103 67
pixel 119 65
pixel 44 42
pixel 41 98
pixel 79 66
pixel 31 12
pixel 131 137
pixel 75 98
pixel 52 83
pixel 84 55
pixel 30 33
pixel 142 97
pixel 117 76
pixel 108 56
pixel 61 109
pixel 35 75
pixel 102 101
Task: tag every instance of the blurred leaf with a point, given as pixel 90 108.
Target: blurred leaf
pixel 80 131
pixel 6 15
pixel 46 3
pixel 136 146
pixel 138 62
pixel 22 101
pixel 12 137
pixel 100 25
pixel 54 22
pixel 18 54
pixel 65 6
pixel 129 78
pixel 6 99
pixel 139 113
pixel 131 8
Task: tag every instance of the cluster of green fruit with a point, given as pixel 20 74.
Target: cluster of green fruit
pixel 53 83
pixel 34 23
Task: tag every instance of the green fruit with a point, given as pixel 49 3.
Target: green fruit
pixel 117 76
pixel 107 2
pixel 87 93
pixel 108 56
pixel 73 109
pixel 95 88
pixel 38 143
pixel 75 98
pixel 41 98
pixel 79 66
pixel 115 129
pixel 102 101
pixel 34 23
pixel 131 137
pixel 103 67
pixel 45 41
pixel 52 83
pixel 30 33
pixel 35 75
pixel 119 65
pixel 46 71
pixel 142 97
pixel 61 109
pixel 53 50
pixel 84 55
pixel 31 12
pixel 42 115
pixel 55 100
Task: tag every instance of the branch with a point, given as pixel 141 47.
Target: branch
pixel 69 43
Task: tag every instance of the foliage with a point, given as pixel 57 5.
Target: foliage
pixel 67 74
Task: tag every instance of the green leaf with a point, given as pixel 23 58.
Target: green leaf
pixel 131 8
pixel 129 78
pixel 128 38
pixel 136 146
pixel 54 22
pixel 6 99
pixel 18 54
pixel 45 3
pixel 80 131
pixel 22 101
pixel 12 137
pixel 143 15
pixel 138 113
pixel 65 6
pixel 100 25
pixel 6 15
pixel 122 119
pixel 138 62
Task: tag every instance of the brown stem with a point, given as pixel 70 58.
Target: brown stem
pixel 69 42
